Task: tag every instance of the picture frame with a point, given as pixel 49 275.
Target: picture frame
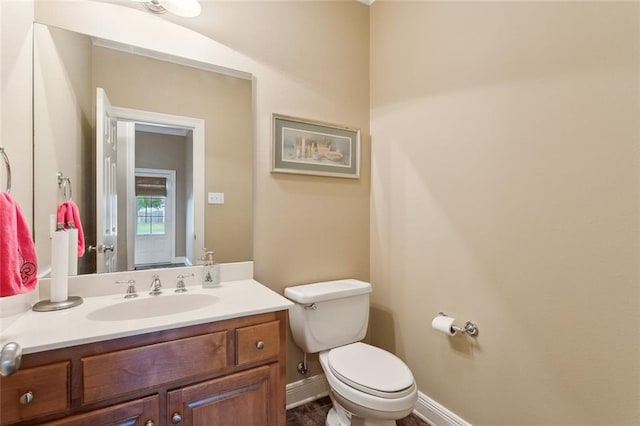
pixel 310 147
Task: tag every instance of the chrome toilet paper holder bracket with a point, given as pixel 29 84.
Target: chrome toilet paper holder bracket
pixel 469 327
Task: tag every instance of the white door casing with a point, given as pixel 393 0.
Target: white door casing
pixel 106 192
pixel 196 197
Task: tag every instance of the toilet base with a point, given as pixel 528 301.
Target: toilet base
pixel 335 419
pixel 339 416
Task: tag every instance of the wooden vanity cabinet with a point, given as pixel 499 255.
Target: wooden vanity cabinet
pixel 229 372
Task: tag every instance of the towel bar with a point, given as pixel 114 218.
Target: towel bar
pixel 65 183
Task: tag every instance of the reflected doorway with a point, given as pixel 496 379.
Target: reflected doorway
pixel 155 217
pixel 153 143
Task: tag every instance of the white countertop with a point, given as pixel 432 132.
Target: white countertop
pixel 41 331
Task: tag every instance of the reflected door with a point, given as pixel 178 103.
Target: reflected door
pixel 155 222
pixel 106 192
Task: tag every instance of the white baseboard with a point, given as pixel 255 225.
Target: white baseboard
pixel 429 410
pixel 436 414
pixel 306 390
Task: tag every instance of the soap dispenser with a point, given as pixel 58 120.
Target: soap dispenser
pixel 211 272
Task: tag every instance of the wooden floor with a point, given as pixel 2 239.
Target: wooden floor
pixel 315 414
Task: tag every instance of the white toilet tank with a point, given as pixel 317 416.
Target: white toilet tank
pixel 328 314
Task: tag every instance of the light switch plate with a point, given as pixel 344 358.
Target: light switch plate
pixel 215 198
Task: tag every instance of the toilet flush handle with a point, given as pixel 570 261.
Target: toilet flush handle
pixel 312 306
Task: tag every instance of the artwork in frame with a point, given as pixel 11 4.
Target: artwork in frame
pixel 315 148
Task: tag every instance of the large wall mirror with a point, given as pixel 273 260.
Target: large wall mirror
pixel 178 130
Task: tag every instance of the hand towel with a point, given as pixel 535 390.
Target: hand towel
pixel 61 216
pixel 18 262
pixel 72 220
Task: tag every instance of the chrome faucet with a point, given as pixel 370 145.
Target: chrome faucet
pixel 156 285
pixel 181 287
pixel 131 289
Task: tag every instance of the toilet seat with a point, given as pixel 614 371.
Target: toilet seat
pixel 392 405
pixel 371 370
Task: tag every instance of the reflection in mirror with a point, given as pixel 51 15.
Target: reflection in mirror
pixel 159 110
pixel 151 174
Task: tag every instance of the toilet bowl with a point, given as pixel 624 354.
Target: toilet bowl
pixel 368 385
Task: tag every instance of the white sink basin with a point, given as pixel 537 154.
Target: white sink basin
pixel 155 306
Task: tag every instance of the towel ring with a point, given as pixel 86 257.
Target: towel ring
pixel 8 167
pixel 65 183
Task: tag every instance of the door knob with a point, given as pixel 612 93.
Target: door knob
pixel 100 249
pixel 176 418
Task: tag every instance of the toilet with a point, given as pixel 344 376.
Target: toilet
pixel 368 385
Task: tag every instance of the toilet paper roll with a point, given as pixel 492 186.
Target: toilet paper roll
pixel 444 324
pixel 59 266
pixel 73 251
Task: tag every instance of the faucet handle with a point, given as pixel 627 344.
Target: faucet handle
pixel 131 290
pixel 156 285
pixel 180 287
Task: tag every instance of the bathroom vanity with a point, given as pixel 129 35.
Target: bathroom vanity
pixel 223 363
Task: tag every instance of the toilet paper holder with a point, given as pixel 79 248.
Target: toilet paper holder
pixel 469 327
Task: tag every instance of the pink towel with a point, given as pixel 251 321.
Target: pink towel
pixel 61 216
pixel 68 217
pixel 72 219
pixel 18 262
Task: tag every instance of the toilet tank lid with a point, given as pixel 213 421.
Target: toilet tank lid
pixel 327 290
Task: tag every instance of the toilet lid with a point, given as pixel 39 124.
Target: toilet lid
pixel 371 370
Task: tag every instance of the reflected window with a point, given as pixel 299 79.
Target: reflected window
pixel 151 215
pixel 151 199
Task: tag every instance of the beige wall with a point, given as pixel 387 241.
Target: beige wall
pixel 16 18
pixel 505 190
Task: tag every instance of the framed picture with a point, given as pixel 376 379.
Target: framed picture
pixel 314 148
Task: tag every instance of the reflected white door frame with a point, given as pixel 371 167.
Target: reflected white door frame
pixel 195 197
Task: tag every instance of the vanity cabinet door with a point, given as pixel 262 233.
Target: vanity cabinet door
pixel 141 412
pixel 247 398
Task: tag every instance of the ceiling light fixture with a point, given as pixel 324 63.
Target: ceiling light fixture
pixel 185 8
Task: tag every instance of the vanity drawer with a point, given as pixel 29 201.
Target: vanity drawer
pixel 257 342
pixel 109 375
pixel 48 386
